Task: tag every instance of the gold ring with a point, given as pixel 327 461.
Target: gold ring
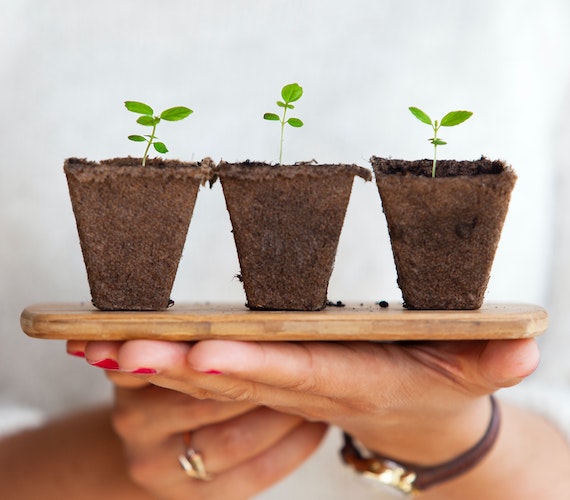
pixel 192 461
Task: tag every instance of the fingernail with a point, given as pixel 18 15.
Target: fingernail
pixel 213 372
pixel 144 371
pixel 106 364
pixel 79 354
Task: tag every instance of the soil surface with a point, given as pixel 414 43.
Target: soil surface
pixel 444 168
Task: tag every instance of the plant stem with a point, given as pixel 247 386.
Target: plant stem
pixel 281 141
pixel 150 139
pixel 435 129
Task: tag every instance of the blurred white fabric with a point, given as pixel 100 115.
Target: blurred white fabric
pixel 14 418
pixel 68 66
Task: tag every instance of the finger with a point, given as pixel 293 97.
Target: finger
pixel 147 416
pixel 103 354
pixel 160 472
pixel 125 380
pixel 164 364
pixel 242 438
pixel 324 368
pixel 323 381
pixel 508 362
pixel 264 470
pixel 152 356
pixel 481 367
pixel 76 348
pixel 312 367
pixel 171 362
pixel 307 379
pixel 119 355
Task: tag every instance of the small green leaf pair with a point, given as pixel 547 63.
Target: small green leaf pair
pixel 148 119
pixel 289 93
pixel 449 120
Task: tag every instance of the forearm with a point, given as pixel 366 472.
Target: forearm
pixel 530 460
pixel 76 457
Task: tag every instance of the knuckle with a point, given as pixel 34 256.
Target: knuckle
pixel 242 392
pixel 304 379
pixel 203 394
pixel 302 384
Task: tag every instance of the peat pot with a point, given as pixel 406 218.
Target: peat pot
pixel 132 223
pixel 286 222
pixel 444 231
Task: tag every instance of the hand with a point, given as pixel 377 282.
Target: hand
pixel 396 398
pixel 245 448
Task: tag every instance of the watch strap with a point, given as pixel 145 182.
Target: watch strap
pixel 409 477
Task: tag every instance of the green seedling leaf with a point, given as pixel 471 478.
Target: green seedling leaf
pixel 160 147
pixel 290 93
pixel 420 115
pixel 148 120
pixel 175 114
pixel 449 120
pixel 283 105
pixel 455 118
pixel 136 138
pixel 295 122
pixel 437 142
pixel 139 107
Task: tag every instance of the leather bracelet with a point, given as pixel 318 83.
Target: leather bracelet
pixel 411 478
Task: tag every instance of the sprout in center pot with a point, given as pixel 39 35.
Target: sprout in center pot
pixel 290 93
pixel 444 229
pixel 449 120
pixel 132 217
pixel 286 222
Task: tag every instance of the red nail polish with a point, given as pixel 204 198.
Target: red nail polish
pixel 106 364
pixel 79 354
pixel 214 372
pixel 144 371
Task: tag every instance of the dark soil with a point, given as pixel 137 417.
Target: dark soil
pixel 445 168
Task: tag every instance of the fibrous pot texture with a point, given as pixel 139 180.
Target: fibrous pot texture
pixel 287 221
pixel 132 223
pixel 445 230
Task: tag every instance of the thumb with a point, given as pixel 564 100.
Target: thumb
pixel 507 362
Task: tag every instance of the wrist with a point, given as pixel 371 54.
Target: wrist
pixel 409 477
pixel 430 439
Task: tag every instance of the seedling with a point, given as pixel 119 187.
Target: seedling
pixel 289 93
pixel 148 119
pixel 449 120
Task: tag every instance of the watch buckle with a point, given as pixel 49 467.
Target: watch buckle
pixel 391 474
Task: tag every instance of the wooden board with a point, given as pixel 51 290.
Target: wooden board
pixel 229 321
